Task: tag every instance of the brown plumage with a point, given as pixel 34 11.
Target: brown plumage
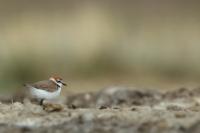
pixel 57 78
pixel 47 85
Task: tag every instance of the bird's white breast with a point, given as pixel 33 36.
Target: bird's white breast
pixel 43 94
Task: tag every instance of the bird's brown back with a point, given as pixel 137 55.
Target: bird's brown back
pixel 47 85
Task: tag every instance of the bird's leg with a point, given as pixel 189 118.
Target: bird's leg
pixel 41 101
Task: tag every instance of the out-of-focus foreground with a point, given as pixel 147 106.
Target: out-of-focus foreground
pixel 96 43
pixel 114 109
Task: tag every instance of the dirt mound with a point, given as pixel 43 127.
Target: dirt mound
pixel 121 96
pixel 115 96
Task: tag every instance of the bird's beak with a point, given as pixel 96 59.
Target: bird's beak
pixel 64 83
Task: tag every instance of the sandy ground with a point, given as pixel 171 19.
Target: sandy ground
pixel 114 109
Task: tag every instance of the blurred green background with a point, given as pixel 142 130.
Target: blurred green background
pixel 93 44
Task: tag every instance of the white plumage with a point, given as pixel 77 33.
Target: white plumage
pixel 43 94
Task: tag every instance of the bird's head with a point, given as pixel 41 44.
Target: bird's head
pixel 57 80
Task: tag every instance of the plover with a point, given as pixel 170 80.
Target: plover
pixel 46 89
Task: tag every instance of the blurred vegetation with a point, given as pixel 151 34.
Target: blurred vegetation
pixel 108 39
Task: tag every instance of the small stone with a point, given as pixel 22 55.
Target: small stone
pixel 103 107
pixel 72 106
pixel 136 103
pixel 174 108
pixel 49 107
pixel 180 115
pixel 116 107
pixel 194 108
pixel 133 109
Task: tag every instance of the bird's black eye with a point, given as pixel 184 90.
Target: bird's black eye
pixel 59 81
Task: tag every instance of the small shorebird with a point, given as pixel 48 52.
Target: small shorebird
pixel 46 89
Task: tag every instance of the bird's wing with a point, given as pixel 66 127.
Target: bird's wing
pixel 45 85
